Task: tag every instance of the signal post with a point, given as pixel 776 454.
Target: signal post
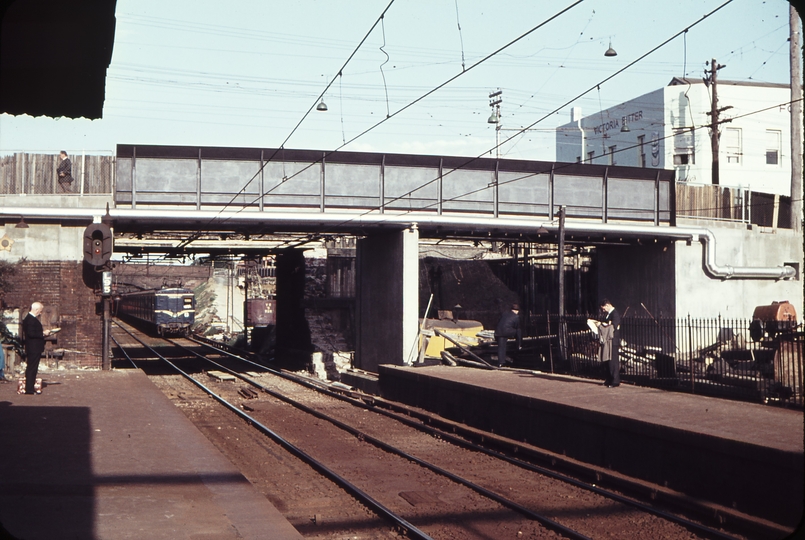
pixel 98 247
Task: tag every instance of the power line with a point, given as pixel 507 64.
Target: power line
pixel 521 131
pixel 555 168
pixel 304 116
pixel 388 117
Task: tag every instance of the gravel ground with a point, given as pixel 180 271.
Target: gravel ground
pixel 438 506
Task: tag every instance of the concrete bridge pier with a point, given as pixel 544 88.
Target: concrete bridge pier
pixel 293 333
pixel 387 298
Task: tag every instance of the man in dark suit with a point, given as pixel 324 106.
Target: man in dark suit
pixel 508 327
pixel 34 345
pixel 65 172
pixel 610 316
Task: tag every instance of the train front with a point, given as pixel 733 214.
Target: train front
pixel 175 311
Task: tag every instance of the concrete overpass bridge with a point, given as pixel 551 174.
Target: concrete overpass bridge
pixel 191 195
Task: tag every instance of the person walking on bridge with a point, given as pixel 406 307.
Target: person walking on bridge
pixel 65 172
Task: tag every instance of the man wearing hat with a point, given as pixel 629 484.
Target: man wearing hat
pixel 508 327
pixel 609 330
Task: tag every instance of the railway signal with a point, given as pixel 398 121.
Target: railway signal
pixel 98 244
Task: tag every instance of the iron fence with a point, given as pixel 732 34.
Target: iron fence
pixel 731 358
pixel 35 174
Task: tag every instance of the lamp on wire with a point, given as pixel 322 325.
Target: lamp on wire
pixel 625 128
pixel 21 224
pixel 322 106
pixel 610 51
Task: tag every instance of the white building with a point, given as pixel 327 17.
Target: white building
pixel 668 128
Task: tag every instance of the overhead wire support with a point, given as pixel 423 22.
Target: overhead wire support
pixel 461 38
pixel 715 133
pixel 382 74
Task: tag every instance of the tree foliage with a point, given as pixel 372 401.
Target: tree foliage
pixel 7 272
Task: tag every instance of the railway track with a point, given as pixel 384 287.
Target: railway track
pixel 425 480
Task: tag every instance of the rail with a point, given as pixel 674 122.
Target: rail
pixel 364 497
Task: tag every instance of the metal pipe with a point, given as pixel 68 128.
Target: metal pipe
pixel 304 219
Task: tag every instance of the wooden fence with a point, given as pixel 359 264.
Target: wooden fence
pixel 711 202
pixel 35 174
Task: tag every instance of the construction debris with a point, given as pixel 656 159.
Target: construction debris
pixel 247 392
pixel 221 376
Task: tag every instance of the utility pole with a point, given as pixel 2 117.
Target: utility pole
pixel 796 119
pixel 560 263
pixel 714 112
pixel 494 101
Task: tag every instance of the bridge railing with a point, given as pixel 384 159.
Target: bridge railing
pixel 35 174
pixel 212 178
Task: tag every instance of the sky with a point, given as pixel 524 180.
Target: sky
pixel 249 73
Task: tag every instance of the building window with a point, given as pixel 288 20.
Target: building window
pixel 773 140
pixel 590 156
pixel 732 145
pixel 684 153
pixel 641 155
pixel 612 150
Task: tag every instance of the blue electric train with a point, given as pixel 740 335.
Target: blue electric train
pixel 168 311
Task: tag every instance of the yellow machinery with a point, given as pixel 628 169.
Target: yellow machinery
pixel 463 331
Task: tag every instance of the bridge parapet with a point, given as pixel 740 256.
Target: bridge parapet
pixel 210 178
pixel 27 174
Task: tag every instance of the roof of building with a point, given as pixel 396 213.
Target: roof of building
pixel 683 80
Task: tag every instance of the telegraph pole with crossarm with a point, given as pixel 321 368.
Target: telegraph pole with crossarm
pixel 715 133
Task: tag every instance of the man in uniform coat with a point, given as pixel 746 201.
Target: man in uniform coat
pixel 34 345
pixel 610 316
pixel 508 327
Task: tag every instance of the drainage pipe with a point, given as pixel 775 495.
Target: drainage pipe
pixel 304 220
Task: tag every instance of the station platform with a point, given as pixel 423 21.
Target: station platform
pixel 742 456
pixel 105 455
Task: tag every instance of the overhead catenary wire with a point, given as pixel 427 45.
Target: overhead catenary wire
pixel 442 85
pixel 555 167
pixel 522 130
pixel 304 116
pixel 608 78
pixel 388 117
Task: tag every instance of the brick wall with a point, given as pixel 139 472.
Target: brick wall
pixel 69 304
